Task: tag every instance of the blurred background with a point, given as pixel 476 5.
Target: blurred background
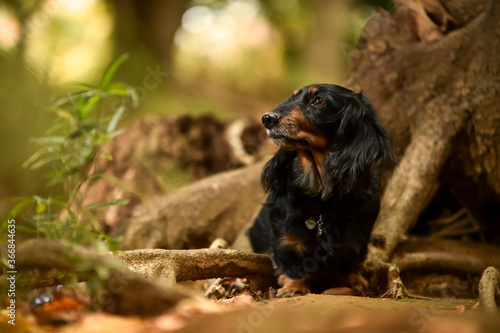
pixel 229 58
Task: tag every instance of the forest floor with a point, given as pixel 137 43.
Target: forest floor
pixel 309 313
pixel 326 313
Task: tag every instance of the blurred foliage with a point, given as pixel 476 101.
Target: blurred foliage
pixel 84 122
pixel 235 58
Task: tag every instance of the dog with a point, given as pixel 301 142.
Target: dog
pixel 324 193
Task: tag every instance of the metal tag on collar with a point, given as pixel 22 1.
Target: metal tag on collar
pixel 311 223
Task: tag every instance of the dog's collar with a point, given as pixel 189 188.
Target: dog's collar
pixel 312 223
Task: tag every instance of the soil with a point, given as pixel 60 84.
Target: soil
pixel 325 313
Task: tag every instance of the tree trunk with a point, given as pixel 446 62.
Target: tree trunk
pixel 433 77
pixel 151 25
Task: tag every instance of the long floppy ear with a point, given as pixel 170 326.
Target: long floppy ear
pixel 360 148
pixel 275 171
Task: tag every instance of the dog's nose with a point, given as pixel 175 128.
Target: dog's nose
pixel 270 120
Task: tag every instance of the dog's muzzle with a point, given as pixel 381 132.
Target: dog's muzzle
pixel 270 120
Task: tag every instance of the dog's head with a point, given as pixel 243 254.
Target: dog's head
pixel 336 134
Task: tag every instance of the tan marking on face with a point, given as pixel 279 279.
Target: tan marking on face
pixel 293 242
pixel 315 152
pixel 312 89
pixel 296 91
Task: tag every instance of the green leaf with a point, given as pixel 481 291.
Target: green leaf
pixel 58 176
pixel 108 156
pixel 84 110
pixel 116 118
pixel 62 113
pixel 40 163
pixel 111 70
pixel 117 182
pixel 41 207
pixel 34 157
pixel 82 85
pixel 49 140
pixel 107 204
pixel 20 206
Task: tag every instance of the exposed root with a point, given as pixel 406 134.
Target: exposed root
pixel 47 263
pixel 440 261
pixel 444 255
pixel 489 293
pixel 43 263
pixel 385 281
pixel 396 288
pixel 201 264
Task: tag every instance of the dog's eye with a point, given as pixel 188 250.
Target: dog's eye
pixel 318 101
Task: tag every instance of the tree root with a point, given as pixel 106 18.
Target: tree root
pixel 441 261
pixel 489 293
pixel 183 265
pixel 43 263
pixel 385 280
pixel 445 255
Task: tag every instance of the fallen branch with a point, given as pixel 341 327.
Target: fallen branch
pixel 489 291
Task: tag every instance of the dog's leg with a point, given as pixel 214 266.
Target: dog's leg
pixel 355 285
pixel 291 287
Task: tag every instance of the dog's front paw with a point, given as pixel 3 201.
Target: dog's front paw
pixel 291 287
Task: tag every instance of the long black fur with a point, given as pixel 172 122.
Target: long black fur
pixel 344 189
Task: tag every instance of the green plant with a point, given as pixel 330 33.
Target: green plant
pixel 85 121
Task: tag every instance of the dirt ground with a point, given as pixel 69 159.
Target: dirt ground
pixel 322 313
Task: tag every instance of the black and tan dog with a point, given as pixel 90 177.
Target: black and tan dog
pixel 324 194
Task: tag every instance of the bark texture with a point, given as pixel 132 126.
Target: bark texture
pixel 202 264
pixel 489 290
pixel 432 72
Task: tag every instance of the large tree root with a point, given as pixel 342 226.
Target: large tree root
pixel 43 263
pixel 444 255
pixel 489 292
pixel 216 206
pixel 435 118
pixel 183 265
pixel 439 261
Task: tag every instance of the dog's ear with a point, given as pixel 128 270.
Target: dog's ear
pixel 276 170
pixel 360 148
